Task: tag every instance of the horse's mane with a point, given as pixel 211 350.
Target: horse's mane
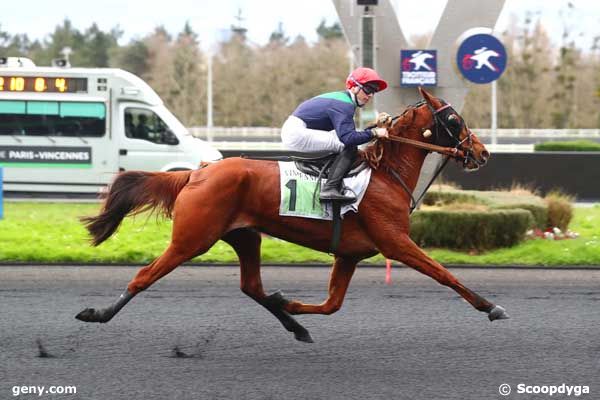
pixel 378 153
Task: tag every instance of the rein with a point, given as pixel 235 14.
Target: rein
pixel 453 152
pixel 413 202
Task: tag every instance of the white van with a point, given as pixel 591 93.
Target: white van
pixel 71 129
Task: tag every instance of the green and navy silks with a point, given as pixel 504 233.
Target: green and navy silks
pixel 333 111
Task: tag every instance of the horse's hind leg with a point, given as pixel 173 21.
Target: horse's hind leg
pixel 246 243
pixel 188 240
pixel 161 266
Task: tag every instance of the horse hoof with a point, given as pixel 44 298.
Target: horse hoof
pixel 86 315
pixel 91 315
pixel 498 313
pixel 277 299
pixel 303 337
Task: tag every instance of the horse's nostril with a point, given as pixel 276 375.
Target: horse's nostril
pixel 485 155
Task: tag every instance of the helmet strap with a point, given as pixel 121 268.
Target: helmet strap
pixel 355 99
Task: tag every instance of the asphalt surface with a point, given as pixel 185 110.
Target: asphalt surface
pixel 194 335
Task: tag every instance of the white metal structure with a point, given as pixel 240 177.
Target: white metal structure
pixel 72 129
pixel 458 17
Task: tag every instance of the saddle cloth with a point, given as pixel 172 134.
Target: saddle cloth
pixel 298 197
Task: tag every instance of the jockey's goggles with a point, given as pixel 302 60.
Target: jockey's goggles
pixel 369 88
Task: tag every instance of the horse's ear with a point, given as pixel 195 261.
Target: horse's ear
pixel 429 98
pixel 425 94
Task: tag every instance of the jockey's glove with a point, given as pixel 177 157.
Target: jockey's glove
pixel 383 119
pixel 379 133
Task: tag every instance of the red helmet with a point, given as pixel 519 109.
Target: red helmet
pixel 361 76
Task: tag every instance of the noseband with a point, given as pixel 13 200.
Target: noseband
pixel 466 154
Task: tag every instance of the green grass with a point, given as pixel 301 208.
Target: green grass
pixel 51 232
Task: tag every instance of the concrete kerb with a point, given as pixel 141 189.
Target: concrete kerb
pixel 298 265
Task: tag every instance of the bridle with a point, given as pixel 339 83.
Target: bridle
pixel 438 123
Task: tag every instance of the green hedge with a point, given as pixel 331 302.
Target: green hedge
pixel 575 145
pixel 480 230
pixel 499 200
pixel 539 214
pixel 481 220
pixel 445 197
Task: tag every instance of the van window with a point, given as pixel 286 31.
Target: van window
pixel 144 124
pixel 52 118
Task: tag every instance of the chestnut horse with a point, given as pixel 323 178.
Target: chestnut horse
pixel 236 199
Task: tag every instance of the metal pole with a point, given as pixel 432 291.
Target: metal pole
pixel 209 95
pixel 494 114
pixel 1 199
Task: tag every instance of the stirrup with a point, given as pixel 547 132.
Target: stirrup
pixel 336 195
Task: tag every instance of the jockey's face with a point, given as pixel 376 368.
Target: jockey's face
pixel 361 96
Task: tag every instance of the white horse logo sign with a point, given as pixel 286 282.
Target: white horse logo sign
pixel 418 67
pixel 481 58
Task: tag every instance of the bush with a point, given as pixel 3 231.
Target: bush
pixel 539 213
pixel 575 145
pixel 560 210
pixel 466 230
pixel 445 197
pixel 501 200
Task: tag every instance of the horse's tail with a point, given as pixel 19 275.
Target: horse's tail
pixel 134 192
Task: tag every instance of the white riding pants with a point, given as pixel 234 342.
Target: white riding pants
pixel 296 136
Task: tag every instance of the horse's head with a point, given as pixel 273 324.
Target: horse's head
pixel 441 125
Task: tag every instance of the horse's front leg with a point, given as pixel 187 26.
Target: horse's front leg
pixel 403 249
pixel 341 274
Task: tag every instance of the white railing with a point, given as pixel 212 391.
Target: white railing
pixel 267 138
pixel 269 134
pixel 219 133
pixel 540 133
pixel 510 148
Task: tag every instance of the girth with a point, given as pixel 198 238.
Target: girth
pixel 319 167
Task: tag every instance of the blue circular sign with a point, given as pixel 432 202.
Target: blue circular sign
pixel 481 58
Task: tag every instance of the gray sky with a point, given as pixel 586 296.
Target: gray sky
pixel 136 18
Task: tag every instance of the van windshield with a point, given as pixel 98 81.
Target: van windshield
pixel 174 123
pixel 52 118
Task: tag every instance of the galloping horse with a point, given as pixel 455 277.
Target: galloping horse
pixel 234 200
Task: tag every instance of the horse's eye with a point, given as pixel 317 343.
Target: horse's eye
pixel 453 121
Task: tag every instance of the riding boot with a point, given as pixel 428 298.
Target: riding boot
pixel 333 189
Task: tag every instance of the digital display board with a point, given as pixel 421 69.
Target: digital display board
pixel 42 84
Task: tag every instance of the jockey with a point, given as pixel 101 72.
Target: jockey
pixel 326 123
